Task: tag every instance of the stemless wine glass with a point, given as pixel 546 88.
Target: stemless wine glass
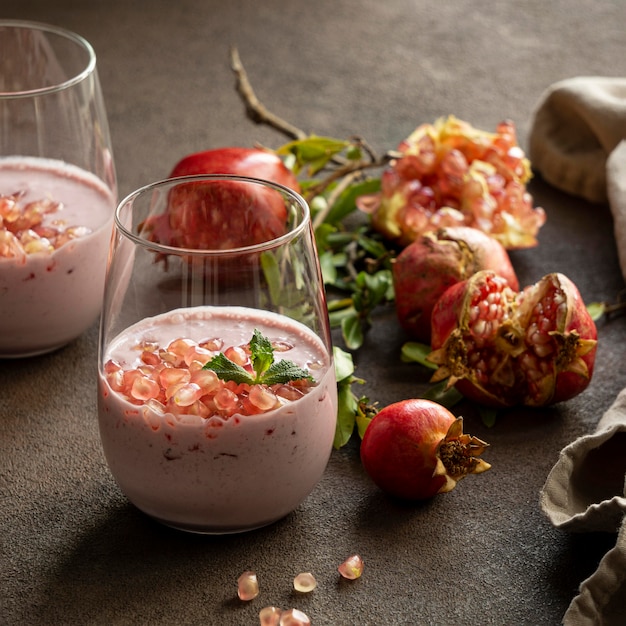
pixel 208 269
pixel 57 188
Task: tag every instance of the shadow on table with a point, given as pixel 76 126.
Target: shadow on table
pixel 129 569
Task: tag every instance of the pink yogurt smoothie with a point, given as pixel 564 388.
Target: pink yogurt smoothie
pixel 48 299
pixel 217 475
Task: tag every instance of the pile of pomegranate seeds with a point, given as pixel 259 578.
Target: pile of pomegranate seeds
pixel 452 174
pixel 23 232
pixel 273 616
pixel 172 380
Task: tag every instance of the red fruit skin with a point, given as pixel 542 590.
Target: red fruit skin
pixel 451 314
pixel 238 161
pixel 222 216
pixel 399 448
pixel 434 262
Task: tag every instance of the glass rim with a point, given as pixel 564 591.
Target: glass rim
pixel 292 233
pixel 61 32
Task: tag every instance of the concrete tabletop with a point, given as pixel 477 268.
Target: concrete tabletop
pixel 74 551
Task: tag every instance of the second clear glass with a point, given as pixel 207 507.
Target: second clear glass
pixel 211 458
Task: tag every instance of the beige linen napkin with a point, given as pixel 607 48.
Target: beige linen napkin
pixel 578 143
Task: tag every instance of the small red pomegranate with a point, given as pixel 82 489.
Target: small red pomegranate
pixel 416 449
pixel 505 348
pixel 436 261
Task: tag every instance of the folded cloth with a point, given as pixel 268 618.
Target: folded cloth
pixel 577 143
pixel 586 491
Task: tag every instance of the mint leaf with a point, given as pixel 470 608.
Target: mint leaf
pixel 261 353
pixel 228 370
pixel 267 371
pixel 283 372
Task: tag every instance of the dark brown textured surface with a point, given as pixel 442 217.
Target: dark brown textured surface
pixel 74 551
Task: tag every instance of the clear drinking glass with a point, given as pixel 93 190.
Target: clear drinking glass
pixel 57 188
pixel 197 265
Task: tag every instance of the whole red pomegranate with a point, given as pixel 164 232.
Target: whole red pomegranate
pixel 415 449
pixel 452 174
pixel 436 261
pixel 505 348
pixel 222 215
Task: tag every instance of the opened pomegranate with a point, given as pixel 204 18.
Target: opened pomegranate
pixel 505 348
pixel 415 449
pixel 223 215
pixel 436 261
pixel 452 174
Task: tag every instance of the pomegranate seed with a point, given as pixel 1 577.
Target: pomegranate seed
pixel 288 392
pixel 305 582
pixel 294 617
pixel 282 346
pixel 144 388
pixel 247 586
pixel 207 380
pixel 237 355
pixel 352 567
pixel 174 376
pixel 262 397
pixel 270 616
pixel 186 394
pixel 150 358
pixel 214 344
pixel 226 401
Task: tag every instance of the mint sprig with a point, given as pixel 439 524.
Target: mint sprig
pixel 267 371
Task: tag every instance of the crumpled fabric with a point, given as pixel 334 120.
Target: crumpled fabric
pixel 578 144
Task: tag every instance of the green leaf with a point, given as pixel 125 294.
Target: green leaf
pixel 346 202
pixel 261 353
pixel 488 416
pixel 362 422
pixel 282 372
pixel 344 365
pixel 313 152
pixel 346 415
pixel 414 352
pixel 329 269
pixel 596 310
pixel 271 271
pixel 445 397
pixel 352 331
pixel 228 370
pixel 267 370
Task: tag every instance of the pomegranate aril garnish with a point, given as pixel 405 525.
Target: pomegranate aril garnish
pixel 144 388
pixel 352 567
pixel 226 401
pixel 262 397
pixel 170 376
pixel 237 354
pixel 186 394
pixel 213 345
pixel 206 379
pixel 247 586
pixel 22 230
pixel 288 392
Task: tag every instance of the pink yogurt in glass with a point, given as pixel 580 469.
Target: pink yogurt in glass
pixel 217 475
pixel 48 299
